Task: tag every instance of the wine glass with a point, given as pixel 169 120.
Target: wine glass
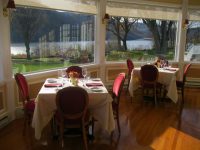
pixel 84 72
pixel 61 73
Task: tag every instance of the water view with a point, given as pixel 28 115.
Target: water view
pixel 19 48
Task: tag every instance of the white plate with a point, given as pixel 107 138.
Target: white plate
pixel 96 79
pixel 52 80
pixel 96 89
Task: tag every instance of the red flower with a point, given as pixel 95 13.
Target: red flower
pixel 73 74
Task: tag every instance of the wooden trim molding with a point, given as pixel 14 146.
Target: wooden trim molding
pixel 112 71
pixel 3 108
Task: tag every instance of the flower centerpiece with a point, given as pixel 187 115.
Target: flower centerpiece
pixel 73 75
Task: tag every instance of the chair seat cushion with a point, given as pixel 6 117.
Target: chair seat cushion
pixel 30 105
pixel 179 84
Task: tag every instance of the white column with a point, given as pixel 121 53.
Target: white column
pixel 182 35
pixel 99 54
pixel 5 61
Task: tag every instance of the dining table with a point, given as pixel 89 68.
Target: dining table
pixel 167 76
pixel 100 103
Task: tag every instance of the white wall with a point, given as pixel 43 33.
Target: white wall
pixel 5 60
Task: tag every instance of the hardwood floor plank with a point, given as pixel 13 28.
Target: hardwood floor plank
pixel 143 127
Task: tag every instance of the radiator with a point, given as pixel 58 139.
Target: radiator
pixel 4 121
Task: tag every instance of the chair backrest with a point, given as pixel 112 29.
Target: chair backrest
pixel 74 69
pixel 149 74
pixel 23 86
pixel 130 66
pixel 117 87
pixel 72 103
pixel 186 71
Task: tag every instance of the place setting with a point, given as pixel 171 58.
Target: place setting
pixel 95 86
pixel 96 89
pixel 53 82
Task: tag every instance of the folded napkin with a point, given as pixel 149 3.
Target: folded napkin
pixel 171 69
pixel 95 79
pixel 93 84
pixel 52 85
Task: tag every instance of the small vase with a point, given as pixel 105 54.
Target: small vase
pixel 74 81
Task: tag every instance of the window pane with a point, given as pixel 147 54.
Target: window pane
pixel 140 39
pixel 192 52
pixel 49 39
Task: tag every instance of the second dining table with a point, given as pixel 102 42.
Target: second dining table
pixel 100 103
pixel 167 77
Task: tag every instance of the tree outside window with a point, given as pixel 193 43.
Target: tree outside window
pixel 192 52
pixel 49 39
pixel 140 39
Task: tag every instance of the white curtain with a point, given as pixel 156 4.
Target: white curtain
pixel 84 6
pixel 194 14
pixel 142 11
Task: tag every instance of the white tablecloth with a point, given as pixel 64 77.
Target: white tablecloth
pixel 100 106
pixel 166 77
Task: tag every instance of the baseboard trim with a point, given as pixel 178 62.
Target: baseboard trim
pixel 4 121
pixel 193 82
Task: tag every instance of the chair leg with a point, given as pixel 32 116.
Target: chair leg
pixel 182 91
pixel 143 93
pixel 181 102
pixel 128 84
pixel 111 136
pixel 93 120
pixel 164 92
pixel 84 138
pixel 27 121
pixel 155 96
pixel 25 124
pixel 54 129
pixel 118 125
pixel 61 128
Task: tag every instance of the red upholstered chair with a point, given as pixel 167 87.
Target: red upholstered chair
pixel 181 84
pixel 72 111
pixel 28 104
pixel 130 66
pixel 149 76
pixel 116 92
pixel 75 69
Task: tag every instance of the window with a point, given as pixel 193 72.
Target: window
pixel 48 39
pixel 140 39
pixel 140 32
pixel 192 52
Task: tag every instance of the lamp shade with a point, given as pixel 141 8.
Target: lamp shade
pixel 106 16
pixel 11 4
pixel 186 22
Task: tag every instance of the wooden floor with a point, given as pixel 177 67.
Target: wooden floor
pixel 143 127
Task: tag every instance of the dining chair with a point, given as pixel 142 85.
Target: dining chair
pixel 116 93
pixel 28 104
pixel 149 76
pixel 72 111
pixel 130 66
pixel 74 69
pixel 181 84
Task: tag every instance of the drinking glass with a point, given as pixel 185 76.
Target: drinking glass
pixel 84 72
pixel 88 78
pixel 61 73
